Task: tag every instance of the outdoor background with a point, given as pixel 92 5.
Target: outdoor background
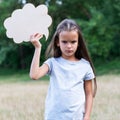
pixel 22 98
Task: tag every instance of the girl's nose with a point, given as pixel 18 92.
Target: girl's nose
pixel 69 45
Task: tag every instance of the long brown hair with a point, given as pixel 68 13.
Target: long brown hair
pixel 54 51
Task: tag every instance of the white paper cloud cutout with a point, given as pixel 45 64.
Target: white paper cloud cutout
pixel 27 21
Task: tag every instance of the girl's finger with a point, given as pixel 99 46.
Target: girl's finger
pixel 38 35
pixel 35 37
pixel 32 38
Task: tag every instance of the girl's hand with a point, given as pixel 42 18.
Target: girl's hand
pixel 35 40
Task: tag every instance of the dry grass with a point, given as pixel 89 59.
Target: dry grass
pixel 22 101
pixel 25 101
pixel 107 101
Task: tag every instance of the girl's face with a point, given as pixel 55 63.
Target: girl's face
pixel 68 43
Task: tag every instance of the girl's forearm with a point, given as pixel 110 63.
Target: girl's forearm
pixel 88 106
pixel 35 64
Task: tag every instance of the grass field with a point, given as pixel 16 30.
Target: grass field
pixel 24 100
pixel 107 100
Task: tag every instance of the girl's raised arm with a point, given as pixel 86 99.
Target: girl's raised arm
pixel 37 71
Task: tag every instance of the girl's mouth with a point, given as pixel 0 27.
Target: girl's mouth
pixel 69 51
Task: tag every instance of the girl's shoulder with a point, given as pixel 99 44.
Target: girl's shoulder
pixel 51 60
pixel 60 60
pixel 85 61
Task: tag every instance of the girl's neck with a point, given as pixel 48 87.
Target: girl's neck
pixel 72 58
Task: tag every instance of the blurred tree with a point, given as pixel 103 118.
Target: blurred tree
pixel 99 21
pixel 19 54
pixel 5 45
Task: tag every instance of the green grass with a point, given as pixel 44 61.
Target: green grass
pixel 10 76
pixel 109 67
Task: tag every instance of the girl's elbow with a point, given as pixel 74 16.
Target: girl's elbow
pixel 33 77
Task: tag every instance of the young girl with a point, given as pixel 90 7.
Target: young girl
pixel 70 95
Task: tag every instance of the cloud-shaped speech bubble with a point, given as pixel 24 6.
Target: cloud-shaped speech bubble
pixel 27 21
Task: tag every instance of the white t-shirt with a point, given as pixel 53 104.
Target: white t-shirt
pixel 66 98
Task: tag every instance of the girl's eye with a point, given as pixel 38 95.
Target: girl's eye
pixel 74 41
pixel 64 42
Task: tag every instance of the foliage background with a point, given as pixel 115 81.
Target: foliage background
pixel 99 21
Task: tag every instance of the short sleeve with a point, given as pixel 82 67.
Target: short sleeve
pixel 89 75
pixel 49 63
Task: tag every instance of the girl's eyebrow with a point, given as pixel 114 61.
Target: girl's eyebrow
pixel 74 41
pixel 66 41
